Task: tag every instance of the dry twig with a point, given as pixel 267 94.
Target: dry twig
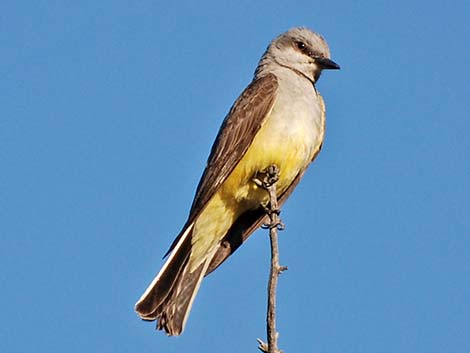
pixel 267 179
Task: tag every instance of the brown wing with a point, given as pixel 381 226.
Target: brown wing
pixel 235 136
pixel 251 220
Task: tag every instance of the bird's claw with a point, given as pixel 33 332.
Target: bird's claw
pixel 267 177
pixel 279 225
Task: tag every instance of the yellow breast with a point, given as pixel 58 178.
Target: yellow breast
pixel 289 138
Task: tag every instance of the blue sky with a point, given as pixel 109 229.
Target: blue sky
pixel 107 114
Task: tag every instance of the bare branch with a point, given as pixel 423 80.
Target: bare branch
pixel 267 179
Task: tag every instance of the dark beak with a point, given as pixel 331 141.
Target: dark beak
pixel 327 64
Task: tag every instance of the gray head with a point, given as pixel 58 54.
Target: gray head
pixel 300 50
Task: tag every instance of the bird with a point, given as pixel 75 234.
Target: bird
pixel 278 120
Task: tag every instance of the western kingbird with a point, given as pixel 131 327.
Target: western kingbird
pixel 279 119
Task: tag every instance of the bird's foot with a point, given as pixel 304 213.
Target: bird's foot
pixel 277 224
pixel 267 177
pixel 275 220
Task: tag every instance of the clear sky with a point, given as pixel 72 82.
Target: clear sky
pixel 108 110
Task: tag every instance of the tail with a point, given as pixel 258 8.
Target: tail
pixel 169 297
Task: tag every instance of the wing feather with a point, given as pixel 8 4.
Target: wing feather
pixel 235 136
pixel 238 129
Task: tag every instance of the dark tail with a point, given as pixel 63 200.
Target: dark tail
pixel 169 297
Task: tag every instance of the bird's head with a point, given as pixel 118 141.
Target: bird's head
pixel 302 51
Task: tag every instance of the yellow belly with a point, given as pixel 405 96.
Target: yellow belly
pixel 289 147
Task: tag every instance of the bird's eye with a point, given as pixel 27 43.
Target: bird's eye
pixel 301 45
